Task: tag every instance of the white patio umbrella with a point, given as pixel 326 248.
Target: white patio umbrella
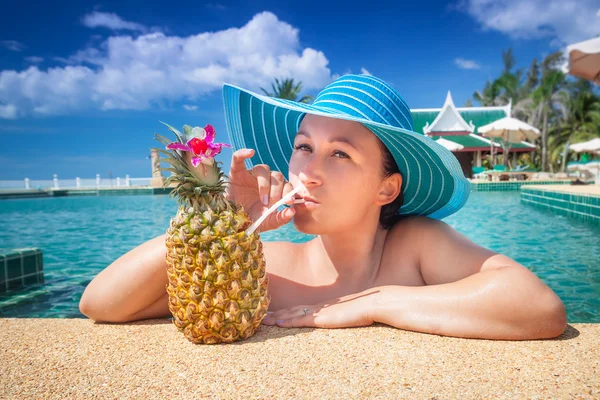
pixel 591 146
pixel 450 145
pixel 510 130
pixel 584 60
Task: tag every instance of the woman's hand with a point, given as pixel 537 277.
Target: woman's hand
pixel 345 312
pixel 257 189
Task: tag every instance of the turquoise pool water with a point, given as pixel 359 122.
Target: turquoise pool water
pixel 80 236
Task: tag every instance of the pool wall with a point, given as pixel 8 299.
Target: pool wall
pixel 19 268
pixel 33 193
pixel 510 186
pixel 584 205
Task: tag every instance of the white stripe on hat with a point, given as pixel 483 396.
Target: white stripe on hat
pixel 264 129
pixel 277 136
pixel 375 99
pixel 287 133
pixel 424 149
pixel 400 154
pixel 298 118
pixel 256 153
pixel 420 176
pixel 345 105
pixel 382 92
pixel 358 101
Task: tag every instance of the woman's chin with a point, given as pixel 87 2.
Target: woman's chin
pixel 306 226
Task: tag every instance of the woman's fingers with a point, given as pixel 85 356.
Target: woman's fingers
pixel 277 185
pixel 287 313
pixel 262 172
pixel 238 160
pixel 271 186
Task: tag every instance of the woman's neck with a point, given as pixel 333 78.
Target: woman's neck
pixel 351 257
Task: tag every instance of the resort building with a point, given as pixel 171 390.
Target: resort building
pixel 458 125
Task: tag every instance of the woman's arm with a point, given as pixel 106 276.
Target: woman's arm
pixel 506 303
pixel 470 292
pixel 499 303
pixel 131 288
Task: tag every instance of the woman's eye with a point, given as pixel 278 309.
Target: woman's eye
pixel 336 153
pixel 302 147
pixel 340 154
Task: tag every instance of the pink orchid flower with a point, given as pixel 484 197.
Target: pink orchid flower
pixel 201 145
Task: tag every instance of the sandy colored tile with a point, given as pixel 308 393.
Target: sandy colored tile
pixel 78 359
pixel 593 190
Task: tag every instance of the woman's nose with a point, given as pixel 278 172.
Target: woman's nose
pixel 311 173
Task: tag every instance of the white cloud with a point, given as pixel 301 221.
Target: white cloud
pixel 190 107
pixel 466 64
pixel 111 21
pixel 567 20
pixel 8 111
pixel 34 59
pixel 364 71
pixel 124 72
pixel 12 45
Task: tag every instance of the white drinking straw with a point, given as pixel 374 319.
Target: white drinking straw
pixel 274 207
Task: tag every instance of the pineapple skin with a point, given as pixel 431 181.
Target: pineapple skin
pixel 217 274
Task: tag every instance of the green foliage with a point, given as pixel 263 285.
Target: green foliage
pixel 288 90
pixel 565 109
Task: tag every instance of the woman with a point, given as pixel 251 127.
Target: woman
pixel 373 193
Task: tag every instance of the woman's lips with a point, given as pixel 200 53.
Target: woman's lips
pixel 301 199
pixel 306 202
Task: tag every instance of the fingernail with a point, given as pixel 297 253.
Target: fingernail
pixel 265 200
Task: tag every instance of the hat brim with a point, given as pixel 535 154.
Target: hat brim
pixel 433 183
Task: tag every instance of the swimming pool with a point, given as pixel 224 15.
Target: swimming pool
pixel 80 236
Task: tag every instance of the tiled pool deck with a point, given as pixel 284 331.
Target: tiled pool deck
pixel 581 202
pixel 78 359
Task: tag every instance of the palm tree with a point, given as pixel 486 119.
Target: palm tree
pixel 565 112
pixel 506 88
pixel 547 104
pixel 286 89
pixel 509 83
pixel 490 96
pixel 550 100
pixel 582 123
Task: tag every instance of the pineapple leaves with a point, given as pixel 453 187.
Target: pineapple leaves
pixel 187 131
pixel 178 134
pixel 161 139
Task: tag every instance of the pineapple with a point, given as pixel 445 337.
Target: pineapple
pixel 217 277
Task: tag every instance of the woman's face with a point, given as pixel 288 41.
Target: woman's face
pixel 340 164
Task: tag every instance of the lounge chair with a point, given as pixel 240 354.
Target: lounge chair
pixel 520 168
pixel 478 172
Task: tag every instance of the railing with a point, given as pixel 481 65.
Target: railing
pixel 76 183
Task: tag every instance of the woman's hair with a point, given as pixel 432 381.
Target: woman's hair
pixel 389 212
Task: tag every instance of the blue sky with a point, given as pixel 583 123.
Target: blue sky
pixel 83 85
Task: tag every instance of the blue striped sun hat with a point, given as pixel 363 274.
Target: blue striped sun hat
pixel 433 183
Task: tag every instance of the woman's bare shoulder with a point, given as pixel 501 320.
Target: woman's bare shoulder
pixel 415 228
